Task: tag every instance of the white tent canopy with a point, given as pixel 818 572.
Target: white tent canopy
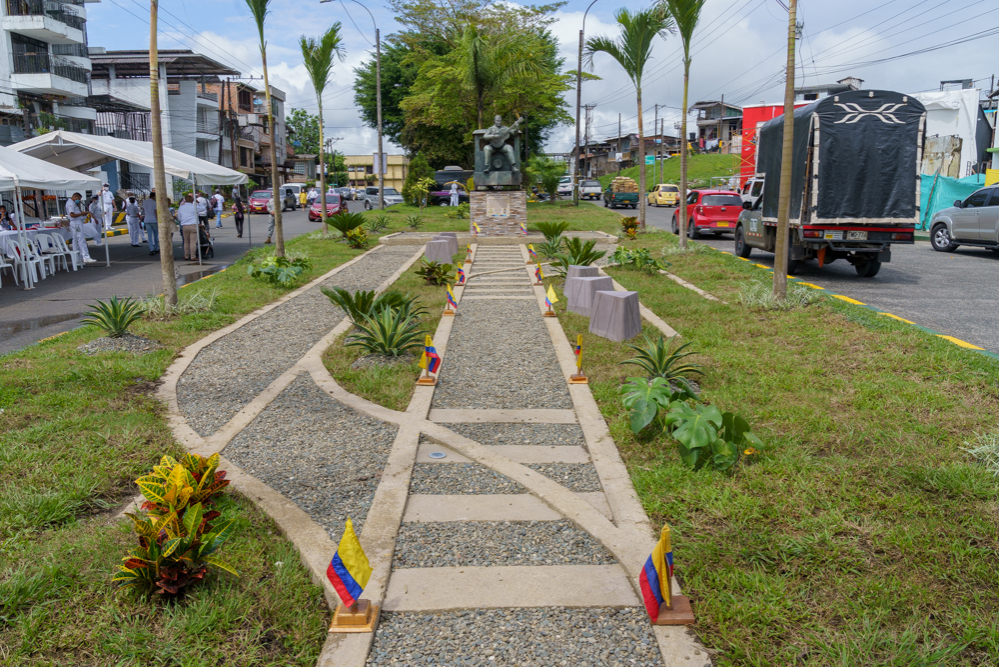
pixel 85 151
pixel 31 172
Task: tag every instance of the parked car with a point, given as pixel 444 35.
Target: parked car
pixel 664 194
pixel 972 222
pixel 297 188
pixel 565 186
pixel 258 200
pixel 335 205
pixel 289 198
pixel 714 211
pixel 590 190
pixel 370 197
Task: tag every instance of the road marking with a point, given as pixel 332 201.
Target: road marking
pixel 959 342
pixel 849 300
pixel 744 259
pixel 723 252
pixel 896 317
pixel 762 266
pixel 811 285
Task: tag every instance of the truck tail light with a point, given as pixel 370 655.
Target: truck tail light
pixel 901 236
pixel 812 233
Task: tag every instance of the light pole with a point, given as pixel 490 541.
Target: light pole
pixel 579 93
pixel 378 101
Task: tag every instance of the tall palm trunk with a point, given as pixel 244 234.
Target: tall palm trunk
pixel 642 199
pixel 683 154
pixel 159 175
pixel 322 164
pixel 275 184
pixel 781 252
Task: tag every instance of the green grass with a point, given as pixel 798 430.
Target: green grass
pixel 863 535
pixel 700 169
pixel 75 431
pixel 585 217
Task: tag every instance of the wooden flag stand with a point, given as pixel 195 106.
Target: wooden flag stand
pixel 362 616
pixel 578 377
pixel 426 379
pixel 678 613
pixel 550 313
pixel 447 310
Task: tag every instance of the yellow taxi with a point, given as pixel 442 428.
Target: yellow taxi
pixel 665 194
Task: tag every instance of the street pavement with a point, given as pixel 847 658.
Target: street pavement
pixel 59 302
pixel 955 294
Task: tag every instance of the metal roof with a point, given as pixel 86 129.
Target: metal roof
pixel 180 63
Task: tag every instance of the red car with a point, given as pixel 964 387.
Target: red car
pixel 259 199
pixel 714 211
pixel 334 206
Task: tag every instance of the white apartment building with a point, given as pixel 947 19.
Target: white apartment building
pixel 44 68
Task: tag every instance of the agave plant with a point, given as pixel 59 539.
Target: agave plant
pixel 552 230
pixel 344 222
pixel 414 221
pixel 377 223
pixel 391 332
pixel 114 316
pixel 362 304
pixel 659 359
pixel 551 248
pixel 577 254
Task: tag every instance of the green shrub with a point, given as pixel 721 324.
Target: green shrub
pixel 644 397
pixel 419 169
pixel 114 316
pixel 756 294
pixel 345 222
pixel 434 273
pixel 577 254
pixel 361 304
pixel 552 230
pixel 414 221
pixel 659 359
pixel 709 437
pixel 391 332
pixel 640 258
pixel 356 238
pixel 377 223
pixel 551 248
pixel 188 302
pixel 279 270
pixel 459 212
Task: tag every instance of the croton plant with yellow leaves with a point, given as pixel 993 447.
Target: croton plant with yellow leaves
pixel 176 540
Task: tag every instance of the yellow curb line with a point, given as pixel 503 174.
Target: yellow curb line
pixel 848 299
pixel 959 342
pixel 896 317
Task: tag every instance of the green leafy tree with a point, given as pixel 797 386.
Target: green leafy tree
pixel 632 50
pixel 306 127
pixel 546 172
pixel 419 169
pixel 337 165
pixel 686 14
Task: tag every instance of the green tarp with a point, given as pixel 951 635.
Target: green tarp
pixel 946 191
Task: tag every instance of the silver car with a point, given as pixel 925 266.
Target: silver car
pixel 370 197
pixel 972 222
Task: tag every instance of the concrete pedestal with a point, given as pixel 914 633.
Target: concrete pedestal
pixel 497 212
pixel 584 290
pixel 616 316
pixel 579 272
pixel 451 240
pixel 438 251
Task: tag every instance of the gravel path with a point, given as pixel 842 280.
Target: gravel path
pixel 545 637
pixel 233 370
pixel 578 477
pixel 486 543
pixel 515 370
pixel 460 478
pixel 522 434
pixel 321 455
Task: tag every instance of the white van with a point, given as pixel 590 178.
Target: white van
pixel 297 189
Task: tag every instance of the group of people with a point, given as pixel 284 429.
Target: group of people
pixel 313 194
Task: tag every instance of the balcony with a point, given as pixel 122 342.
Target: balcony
pixel 49 122
pixel 43 74
pixel 208 97
pixel 208 126
pixel 44 20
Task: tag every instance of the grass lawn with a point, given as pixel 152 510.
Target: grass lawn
pixel 700 169
pixel 863 535
pixel 75 431
pixel 585 217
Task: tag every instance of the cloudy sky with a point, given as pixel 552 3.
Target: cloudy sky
pixel 738 51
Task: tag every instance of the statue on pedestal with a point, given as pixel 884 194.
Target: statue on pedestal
pixel 497 155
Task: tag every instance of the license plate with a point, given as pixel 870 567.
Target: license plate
pixel 834 236
pixel 856 236
pixel 722 224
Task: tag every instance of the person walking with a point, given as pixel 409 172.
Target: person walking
pixel 313 195
pixel 238 211
pixel 107 207
pixel 76 218
pixel 202 207
pixel 270 227
pixel 187 215
pixel 132 214
pixel 219 202
pixel 152 223
pixel 303 198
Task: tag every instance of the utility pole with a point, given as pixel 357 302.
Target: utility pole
pixel 619 143
pixel 721 116
pixel 579 89
pixel 222 119
pixel 655 124
pixel 378 85
pixel 784 200
pixel 586 136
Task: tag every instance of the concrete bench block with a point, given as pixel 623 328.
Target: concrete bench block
pixel 582 272
pixel 451 240
pixel 616 315
pixel 438 251
pixel 580 293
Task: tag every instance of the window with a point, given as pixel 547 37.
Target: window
pixel 300 167
pixel 668 188
pixel 722 200
pixel 591 184
pixel 995 198
pixel 692 197
pixel 757 188
pixel 977 200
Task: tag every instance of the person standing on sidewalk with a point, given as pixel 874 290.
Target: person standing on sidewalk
pixel 76 218
pixel 132 220
pixel 270 227
pixel 107 207
pixel 219 202
pixel 238 211
pixel 187 214
pixel 96 215
pixel 202 207
pixel 152 223
pixel 303 198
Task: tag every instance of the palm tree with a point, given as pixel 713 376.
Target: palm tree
pixel 685 14
pixel 318 59
pixel 632 50
pixel 260 9
pixel 159 175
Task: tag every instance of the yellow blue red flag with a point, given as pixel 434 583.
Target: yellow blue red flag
pixel 460 276
pixel 430 361
pixel 657 576
pixel 523 228
pixel 530 249
pixel 450 298
pixel 539 274
pixel 550 297
pixel 478 230
pixel 349 570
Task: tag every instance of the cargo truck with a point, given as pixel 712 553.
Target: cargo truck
pixel 622 191
pixel 854 181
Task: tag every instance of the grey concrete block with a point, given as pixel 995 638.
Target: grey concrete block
pixel 580 292
pixel 582 272
pixel 438 251
pixel 616 315
pixel 452 241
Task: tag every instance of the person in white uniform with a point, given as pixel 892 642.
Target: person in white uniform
pixel 96 215
pixel 132 213
pixel 454 194
pixel 107 206
pixel 219 201
pixel 76 218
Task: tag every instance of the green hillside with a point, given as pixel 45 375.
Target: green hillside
pixel 700 168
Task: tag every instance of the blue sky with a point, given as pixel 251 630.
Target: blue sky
pixel 738 52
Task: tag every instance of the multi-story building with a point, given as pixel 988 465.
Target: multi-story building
pixel 44 68
pixel 719 126
pixel 361 170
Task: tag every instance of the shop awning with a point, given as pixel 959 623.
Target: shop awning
pixel 81 152
pixel 38 174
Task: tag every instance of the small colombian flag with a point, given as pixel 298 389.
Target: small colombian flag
pixel 523 228
pixel 550 297
pixel 578 350
pixel 530 249
pixel 460 276
pixel 430 361
pixel 450 298
pixel 478 230
pixel 349 570
pixel 657 577
pixel 539 274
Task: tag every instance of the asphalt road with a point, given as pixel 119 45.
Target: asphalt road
pixel 955 294
pixel 59 302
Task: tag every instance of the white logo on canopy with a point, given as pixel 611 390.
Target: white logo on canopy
pixel 854 112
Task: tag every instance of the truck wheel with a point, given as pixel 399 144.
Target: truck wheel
pixel 793 265
pixel 741 249
pixel 868 268
pixel 940 239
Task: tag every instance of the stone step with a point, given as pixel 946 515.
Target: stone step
pixel 471 415
pixel 518 453
pixel 439 588
pixel 424 508
pixel 473 298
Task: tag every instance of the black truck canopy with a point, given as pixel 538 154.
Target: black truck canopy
pixel 865 146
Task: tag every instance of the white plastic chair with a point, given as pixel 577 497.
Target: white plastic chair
pixel 5 265
pixel 44 258
pixel 51 251
pixel 22 258
pixel 75 255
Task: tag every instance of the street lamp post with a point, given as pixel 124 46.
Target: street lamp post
pixel 579 93
pixel 380 163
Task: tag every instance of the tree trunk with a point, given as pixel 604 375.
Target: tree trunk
pixel 159 175
pixel 784 198
pixel 275 184
pixel 322 164
pixel 682 222
pixel 641 162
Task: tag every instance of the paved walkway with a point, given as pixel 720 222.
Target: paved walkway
pixel 520 546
